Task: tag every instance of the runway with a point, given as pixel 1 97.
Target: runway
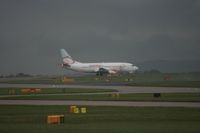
pixel 101 103
pixel 120 89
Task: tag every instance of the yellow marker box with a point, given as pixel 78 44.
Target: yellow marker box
pixel 83 110
pixel 55 119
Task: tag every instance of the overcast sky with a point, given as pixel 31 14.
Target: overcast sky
pixel 33 31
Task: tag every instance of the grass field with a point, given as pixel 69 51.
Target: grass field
pixel 138 79
pixel 167 83
pixel 32 119
pixel 18 91
pixel 178 97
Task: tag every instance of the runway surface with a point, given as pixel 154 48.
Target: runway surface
pixel 120 89
pixel 100 103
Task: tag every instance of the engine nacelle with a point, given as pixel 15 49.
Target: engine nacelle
pixel 102 71
pixel 112 72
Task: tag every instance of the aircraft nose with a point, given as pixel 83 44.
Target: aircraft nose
pixel 135 68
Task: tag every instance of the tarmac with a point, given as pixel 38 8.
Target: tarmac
pixel 120 89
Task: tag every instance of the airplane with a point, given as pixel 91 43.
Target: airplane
pixel 98 68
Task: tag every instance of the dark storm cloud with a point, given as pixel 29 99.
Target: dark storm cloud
pixel 32 32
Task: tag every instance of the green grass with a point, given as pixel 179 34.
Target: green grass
pixel 175 80
pixel 179 97
pixel 17 91
pixel 167 84
pixel 138 79
pixel 32 119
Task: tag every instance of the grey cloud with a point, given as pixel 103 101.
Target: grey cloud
pixel 32 32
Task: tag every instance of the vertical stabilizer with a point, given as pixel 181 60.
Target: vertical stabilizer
pixel 67 59
pixel 64 54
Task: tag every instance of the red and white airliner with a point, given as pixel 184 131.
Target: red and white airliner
pixel 98 68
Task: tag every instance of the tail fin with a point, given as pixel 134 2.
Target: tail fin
pixel 64 54
pixel 67 59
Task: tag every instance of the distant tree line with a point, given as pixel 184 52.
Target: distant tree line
pixel 15 75
pixel 152 71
